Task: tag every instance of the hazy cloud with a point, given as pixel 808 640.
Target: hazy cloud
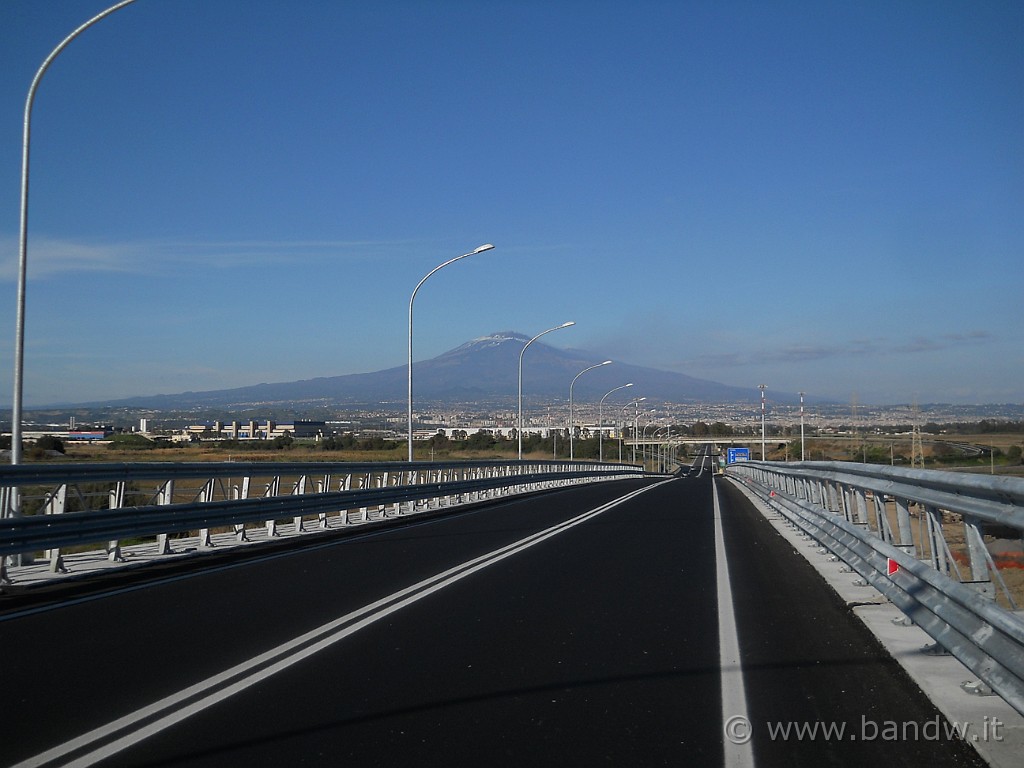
pixel 46 257
pixel 53 256
pixel 943 341
pixel 854 348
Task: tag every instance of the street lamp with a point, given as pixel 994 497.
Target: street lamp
pixel 606 362
pixel 412 298
pixel 762 388
pixel 520 420
pixel 600 421
pixel 636 418
pixel 19 329
pixel 801 425
pixel 643 434
pixel 662 450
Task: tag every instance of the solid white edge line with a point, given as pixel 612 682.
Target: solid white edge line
pixel 330 633
pixel 736 727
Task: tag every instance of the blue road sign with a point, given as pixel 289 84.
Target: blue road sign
pixel 737 454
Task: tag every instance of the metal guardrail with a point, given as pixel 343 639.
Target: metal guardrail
pixel 851 510
pixel 49 506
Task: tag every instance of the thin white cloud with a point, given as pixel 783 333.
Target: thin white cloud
pixel 48 257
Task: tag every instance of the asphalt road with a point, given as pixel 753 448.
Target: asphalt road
pixel 577 628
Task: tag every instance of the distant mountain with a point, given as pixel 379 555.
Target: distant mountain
pixel 482 370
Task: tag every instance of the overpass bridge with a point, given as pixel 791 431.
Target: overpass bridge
pixel 496 613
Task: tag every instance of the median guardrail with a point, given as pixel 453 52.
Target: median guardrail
pixel 49 506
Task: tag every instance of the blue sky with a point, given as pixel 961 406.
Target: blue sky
pixel 826 197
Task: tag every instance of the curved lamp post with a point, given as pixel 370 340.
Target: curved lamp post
pixel 636 417
pixel 606 362
pixel 481 249
pixel 600 420
pixel 19 331
pixel 664 448
pixel 520 419
pixel 643 436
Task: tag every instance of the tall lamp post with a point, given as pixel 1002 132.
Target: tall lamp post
pixel 412 298
pixel 762 388
pixel 520 419
pixel 662 450
pixel 19 330
pixel 643 434
pixel 606 362
pixel 600 421
pixel 801 425
pixel 636 419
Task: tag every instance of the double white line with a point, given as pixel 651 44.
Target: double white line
pixel 118 735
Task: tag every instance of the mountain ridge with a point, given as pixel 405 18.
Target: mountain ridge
pixel 484 369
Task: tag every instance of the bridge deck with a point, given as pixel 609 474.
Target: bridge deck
pixel 568 629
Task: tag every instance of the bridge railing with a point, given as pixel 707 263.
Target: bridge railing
pixel 47 507
pixel 921 538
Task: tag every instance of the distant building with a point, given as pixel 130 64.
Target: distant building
pixel 87 434
pixel 255 430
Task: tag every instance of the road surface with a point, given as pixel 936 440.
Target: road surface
pixel 577 628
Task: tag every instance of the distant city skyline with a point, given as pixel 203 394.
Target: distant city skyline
pixel 819 198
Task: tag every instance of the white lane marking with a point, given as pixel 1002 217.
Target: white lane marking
pixel 736 727
pixel 194 699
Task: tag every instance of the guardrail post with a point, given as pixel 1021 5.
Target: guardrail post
pixel 273 487
pixel 978 554
pixel 206 495
pixel 165 496
pixel 299 490
pixel 411 476
pixel 843 497
pixel 860 506
pixel 56 505
pixel 831 497
pixel 905 527
pixel 5 512
pixel 365 481
pixel 384 482
pixel 323 486
pixel 882 520
pixel 816 493
pixel 936 539
pixel 345 485
pixel 116 502
pixel 242 493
